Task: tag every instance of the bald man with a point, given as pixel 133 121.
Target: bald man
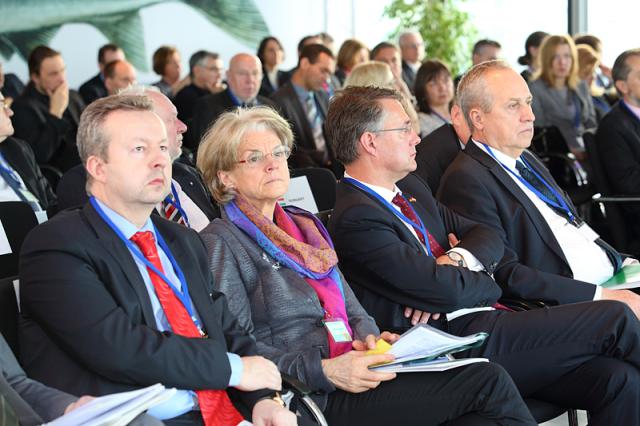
pixel 243 83
pixel 118 75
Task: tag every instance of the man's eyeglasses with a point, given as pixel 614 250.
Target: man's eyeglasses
pixel 4 104
pixel 405 130
pixel 257 158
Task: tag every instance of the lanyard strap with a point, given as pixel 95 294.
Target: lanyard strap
pixel 183 293
pixel 578 115
pixel 558 203
pixel 417 226
pixel 444 120
pixel 177 204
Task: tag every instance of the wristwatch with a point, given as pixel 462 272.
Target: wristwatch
pixel 275 397
pixel 457 257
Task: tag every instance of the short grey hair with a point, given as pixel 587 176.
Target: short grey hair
pixel 472 89
pixel 218 150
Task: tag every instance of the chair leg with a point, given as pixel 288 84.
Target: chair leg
pixel 573 417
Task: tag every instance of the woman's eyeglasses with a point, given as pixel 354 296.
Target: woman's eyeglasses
pixel 256 158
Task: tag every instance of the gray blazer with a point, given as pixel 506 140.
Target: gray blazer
pixel 549 111
pixel 32 401
pixel 277 306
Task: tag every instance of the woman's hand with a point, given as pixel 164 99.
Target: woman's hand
pixel 350 371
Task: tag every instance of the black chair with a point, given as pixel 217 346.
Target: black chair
pixel 610 205
pixel 9 312
pixel 53 174
pixel 17 219
pixel 322 183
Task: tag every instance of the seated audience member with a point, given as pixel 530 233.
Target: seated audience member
pixel 588 60
pixel 390 54
pixel 118 75
pixel 551 255
pixel 560 98
pixel 189 203
pixel 243 83
pixel 434 93
pixel 166 63
pixel 47 112
pixel 603 75
pixel 134 304
pixel 305 41
pixel 205 72
pixel 618 138
pixel 391 247
pixel 20 176
pixel 94 88
pixel 282 287
pixel 530 57
pixel 352 52
pixel 379 74
pixel 303 102
pixel 271 54
pixel 412 53
pixel 436 151
pixel 29 403
pixel 327 40
pixel 484 50
pixel 10 86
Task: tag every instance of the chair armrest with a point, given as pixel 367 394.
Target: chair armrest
pixel 615 198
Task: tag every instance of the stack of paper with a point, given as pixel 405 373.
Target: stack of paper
pixel 116 409
pixel 424 348
pixel 628 277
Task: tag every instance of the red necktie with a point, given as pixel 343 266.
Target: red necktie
pixel 216 407
pixel 405 208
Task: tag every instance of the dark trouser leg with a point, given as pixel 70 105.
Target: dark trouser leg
pixel 483 390
pixel 551 347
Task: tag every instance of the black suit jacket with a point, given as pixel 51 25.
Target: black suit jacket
pixel 185 101
pixel 72 193
pixel 434 154
pixel 52 139
pixel 206 111
pixel 305 153
pixel 13 86
pixel 88 325
pixel 93 89
pixel 266 88
pixel 20 156
pixel 387 267
pixel 534 266
pixel 408 75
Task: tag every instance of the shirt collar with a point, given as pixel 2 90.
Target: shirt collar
pixel 634 109
pixel 383 192
pixel 502 158
pixel 127 228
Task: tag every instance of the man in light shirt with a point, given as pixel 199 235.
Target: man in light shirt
pixel 551 255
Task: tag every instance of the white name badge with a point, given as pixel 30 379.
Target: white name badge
pixel 587 232
pixel 338 331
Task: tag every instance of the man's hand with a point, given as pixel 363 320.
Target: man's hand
pixel 269 413
pixel 370 341
pixel 58 100
pixel 446 260
pixel 80 402
pixel 259 373
pixel 418 316
pixel 453 240
pixel 630 298
pixel 350 371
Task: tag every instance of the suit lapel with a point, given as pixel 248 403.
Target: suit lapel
pixel 531 210
pixel 123 258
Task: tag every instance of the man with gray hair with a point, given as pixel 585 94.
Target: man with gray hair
pixel 618 140
pixel 394 245
pixel 412 52
pixel 189 203
pixel 205 70
pixel 551 255
pixel 117 299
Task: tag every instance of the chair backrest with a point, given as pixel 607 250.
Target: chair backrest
pixel 17 219
pixel 598 175
pixel 322 183
pixel 9 312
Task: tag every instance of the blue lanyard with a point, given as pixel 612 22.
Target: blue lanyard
pixel 418 226
pixel 177 204
pixel 9 171
pixel 577 117
pixel 183 294
pixel 559 203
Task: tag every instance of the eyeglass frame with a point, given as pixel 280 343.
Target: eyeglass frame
pixel 286 151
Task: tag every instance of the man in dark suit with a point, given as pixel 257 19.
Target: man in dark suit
pixel 438 149
pixel 10 85
pixel 391 247
pixel 94 88
pixel 412 52
pixel 551 254
pixel 20 176
pixel 618 136
pixel 134 304
pixel 195 200
pixel 243 80
pixel 205 71
pixel 303 102
pixel 47 112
